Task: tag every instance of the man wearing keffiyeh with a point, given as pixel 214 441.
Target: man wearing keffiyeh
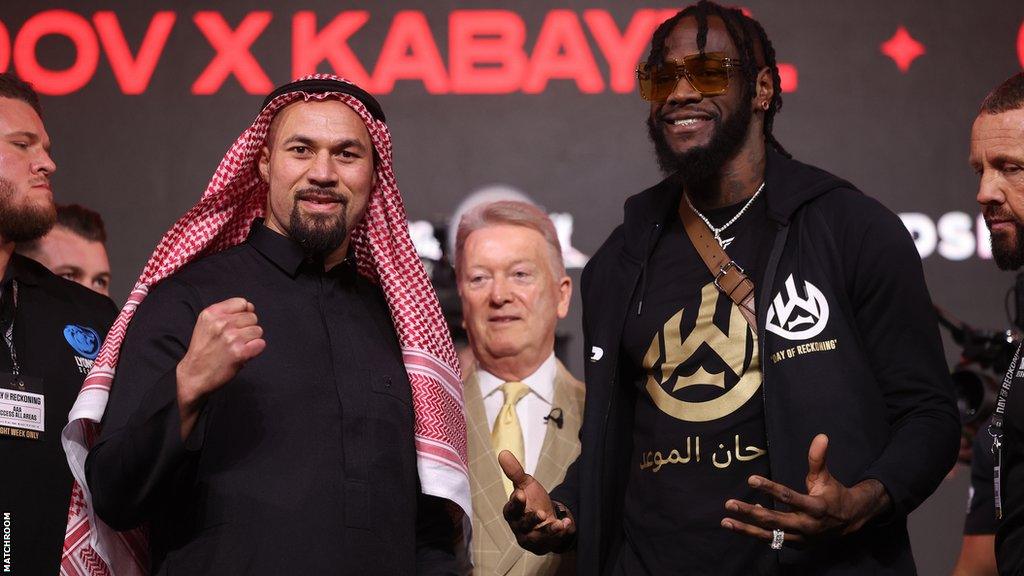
pixel 286 399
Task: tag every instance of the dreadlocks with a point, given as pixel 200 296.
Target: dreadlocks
pixel 748 36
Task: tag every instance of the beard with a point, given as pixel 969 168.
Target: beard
pixel 700 167
pixel 21 222
pixel 318 234
pixel 1009 252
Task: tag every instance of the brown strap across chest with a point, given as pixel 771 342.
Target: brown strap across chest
pixel 729 277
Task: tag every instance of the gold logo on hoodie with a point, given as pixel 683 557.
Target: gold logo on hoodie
pixel 670 355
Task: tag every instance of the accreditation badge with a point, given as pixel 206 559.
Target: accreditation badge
pixel 22 407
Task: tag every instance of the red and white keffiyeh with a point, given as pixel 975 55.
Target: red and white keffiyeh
pixel 384 253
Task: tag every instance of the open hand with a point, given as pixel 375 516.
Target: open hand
pixel 829 509
pixel 530 512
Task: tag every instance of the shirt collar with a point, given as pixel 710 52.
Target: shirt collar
pixel 541 382
pixel 281 250
pixel 287 255
pixel 24 270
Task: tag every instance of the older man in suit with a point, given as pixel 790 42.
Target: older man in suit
pixel 519 397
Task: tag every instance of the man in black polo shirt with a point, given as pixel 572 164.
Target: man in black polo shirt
pixel 51 332
pixel 997 156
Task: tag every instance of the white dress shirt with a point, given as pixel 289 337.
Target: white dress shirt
pixel 531 410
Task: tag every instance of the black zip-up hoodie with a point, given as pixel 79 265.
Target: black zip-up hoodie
pixel 849 347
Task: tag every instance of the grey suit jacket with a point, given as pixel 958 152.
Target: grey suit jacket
pixel 494 548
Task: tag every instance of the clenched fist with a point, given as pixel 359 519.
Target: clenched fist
pixel 226 336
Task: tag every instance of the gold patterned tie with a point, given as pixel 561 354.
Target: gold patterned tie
pixel 507 434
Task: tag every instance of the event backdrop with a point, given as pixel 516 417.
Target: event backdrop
pixel 142 99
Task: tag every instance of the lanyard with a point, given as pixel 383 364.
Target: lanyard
pixel 16 380
pixel 995 429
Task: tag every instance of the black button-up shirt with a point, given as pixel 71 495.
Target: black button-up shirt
pixel 304 463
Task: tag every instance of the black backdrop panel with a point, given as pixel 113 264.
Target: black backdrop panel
pixel 143 99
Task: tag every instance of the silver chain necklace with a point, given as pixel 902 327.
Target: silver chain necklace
pixel 718 231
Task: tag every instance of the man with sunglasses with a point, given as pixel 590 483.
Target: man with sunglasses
pixel 782 414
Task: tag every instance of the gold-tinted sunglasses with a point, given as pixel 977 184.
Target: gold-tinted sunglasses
pixel 707 73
